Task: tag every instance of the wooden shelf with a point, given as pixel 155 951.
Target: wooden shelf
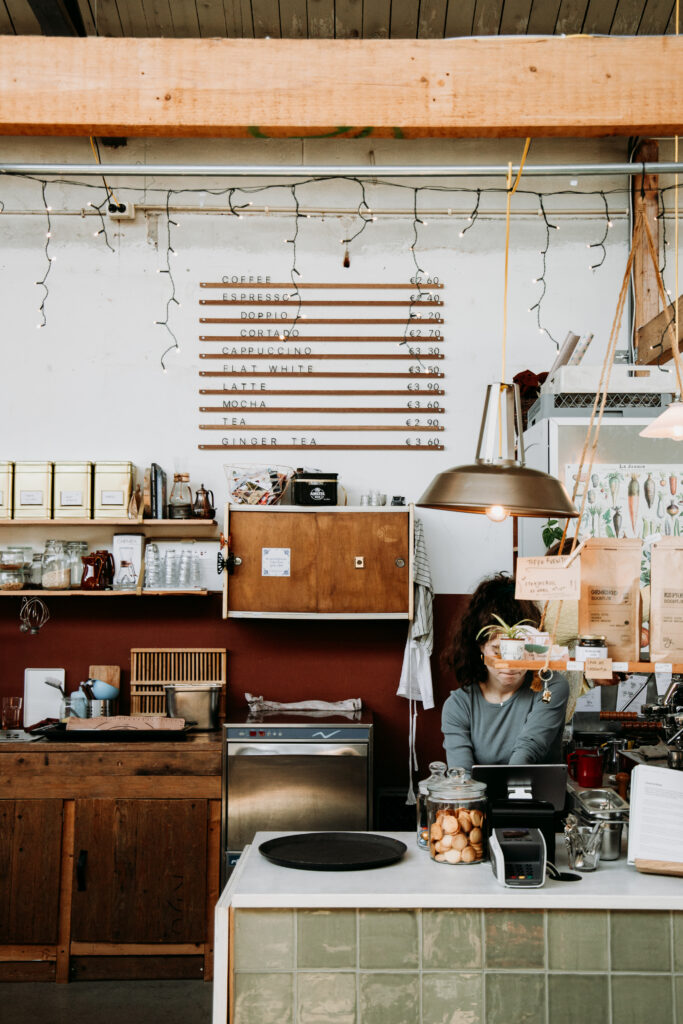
pixel 561 666
pixel 182 524
pixel 103 593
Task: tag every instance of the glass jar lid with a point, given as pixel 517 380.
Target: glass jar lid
pixel 457 786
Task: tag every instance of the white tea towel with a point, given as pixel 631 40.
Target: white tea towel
pixel 329 706
pixel 416 673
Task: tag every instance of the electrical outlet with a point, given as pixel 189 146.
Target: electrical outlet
pixel 120 211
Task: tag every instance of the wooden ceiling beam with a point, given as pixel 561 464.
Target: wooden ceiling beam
pixel 493 87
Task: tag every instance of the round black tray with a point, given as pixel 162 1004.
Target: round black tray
pixel 333 851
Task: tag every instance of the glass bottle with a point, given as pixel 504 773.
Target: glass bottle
pixel 75 549
pixel 437 772
pixel 56 570
pixel 456 817
pixel 180 501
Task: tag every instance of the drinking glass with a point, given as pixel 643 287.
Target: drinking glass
pixel 171 573
pixel 11 712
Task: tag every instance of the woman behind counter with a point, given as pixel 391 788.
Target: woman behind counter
pixel 493 716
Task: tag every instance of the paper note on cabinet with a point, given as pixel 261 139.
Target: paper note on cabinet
pixel 275 561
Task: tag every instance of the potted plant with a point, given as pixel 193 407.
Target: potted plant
pixel 512 638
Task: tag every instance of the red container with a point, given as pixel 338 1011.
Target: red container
pixel 586 767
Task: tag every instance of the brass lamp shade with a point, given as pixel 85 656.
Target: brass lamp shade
pixel 498 483
pixel 519 490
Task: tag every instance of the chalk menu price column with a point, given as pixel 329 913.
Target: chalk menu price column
pixel 368 356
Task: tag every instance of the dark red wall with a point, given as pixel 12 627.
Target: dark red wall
pixel 281 660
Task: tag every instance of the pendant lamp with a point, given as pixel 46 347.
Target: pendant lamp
pixel 668 424
pixel 498 483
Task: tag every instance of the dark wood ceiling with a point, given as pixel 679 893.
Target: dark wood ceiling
pixel 341 19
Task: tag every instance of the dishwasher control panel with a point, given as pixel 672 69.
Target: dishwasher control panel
pixel 324 734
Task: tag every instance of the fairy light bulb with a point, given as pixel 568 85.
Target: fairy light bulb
pixel 497 513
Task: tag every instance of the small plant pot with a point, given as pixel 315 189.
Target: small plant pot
pixel 512 650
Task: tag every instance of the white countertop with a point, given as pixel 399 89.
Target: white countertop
pixel 416 881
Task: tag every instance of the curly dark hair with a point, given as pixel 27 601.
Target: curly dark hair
pixel 494 596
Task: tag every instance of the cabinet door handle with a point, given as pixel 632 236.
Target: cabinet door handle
pixel 81 865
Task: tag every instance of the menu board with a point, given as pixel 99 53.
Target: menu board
pixel 321 365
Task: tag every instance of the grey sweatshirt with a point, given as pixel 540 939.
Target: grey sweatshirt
pixel 521 730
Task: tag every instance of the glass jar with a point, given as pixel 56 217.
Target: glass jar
pixel 456 816
pixel 12 558
pixel 75 549
pixel 11 579
pixel 180 501
pixel 36 571
pixel 56 571
pixel 437 773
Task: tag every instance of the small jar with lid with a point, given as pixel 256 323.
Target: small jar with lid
pixel 11 578
pixel 437 773
pixel 12 558
pixel 456 817
pixel 590 645
pixel 56 571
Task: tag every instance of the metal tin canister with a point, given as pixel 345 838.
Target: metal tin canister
pixel 32 490
pixel 72 490
pixel 113 486
pixel 6 481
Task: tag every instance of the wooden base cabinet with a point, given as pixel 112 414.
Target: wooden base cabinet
pixel 109 881
pixel 139 871
pixel 30 841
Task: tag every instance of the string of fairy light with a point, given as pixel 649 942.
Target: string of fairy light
pixel 237 201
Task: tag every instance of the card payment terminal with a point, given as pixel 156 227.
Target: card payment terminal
pixel 518 857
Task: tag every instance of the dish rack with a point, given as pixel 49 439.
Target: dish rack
pixel 152 667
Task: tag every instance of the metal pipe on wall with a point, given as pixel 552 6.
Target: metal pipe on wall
pixel 333 171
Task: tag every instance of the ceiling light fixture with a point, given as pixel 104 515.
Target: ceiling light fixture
pixel 498 483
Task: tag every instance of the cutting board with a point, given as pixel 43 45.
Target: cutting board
pixel 107 673
pixel 41 701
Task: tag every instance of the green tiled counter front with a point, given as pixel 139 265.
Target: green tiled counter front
pixel 424 943
pixel 489 966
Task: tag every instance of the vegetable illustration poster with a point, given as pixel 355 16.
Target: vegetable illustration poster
pixel 628 500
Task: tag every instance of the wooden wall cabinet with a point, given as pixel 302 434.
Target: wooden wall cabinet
pixel 113 871
pixel 334 562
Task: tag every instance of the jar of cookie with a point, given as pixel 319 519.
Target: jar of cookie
pixel 456 817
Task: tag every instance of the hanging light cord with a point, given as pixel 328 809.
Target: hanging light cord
pixel 674 346
pixel 510 193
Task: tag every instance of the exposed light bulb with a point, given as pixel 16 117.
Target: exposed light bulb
pixel 497 513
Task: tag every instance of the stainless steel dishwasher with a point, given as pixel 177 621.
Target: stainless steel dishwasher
pixel 293 773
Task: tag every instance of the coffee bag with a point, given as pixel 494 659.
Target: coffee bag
pixel 610 595
pixel 666 608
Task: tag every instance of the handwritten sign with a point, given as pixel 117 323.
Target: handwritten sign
pixel 598 668
pixel 548 579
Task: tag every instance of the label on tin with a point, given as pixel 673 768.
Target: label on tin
pixel 70 498
pixel 30 497
pixel 111 497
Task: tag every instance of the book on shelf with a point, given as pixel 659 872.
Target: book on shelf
pixel 655 833
pixel 158 491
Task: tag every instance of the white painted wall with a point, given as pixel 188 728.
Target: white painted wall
pixel 89 384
